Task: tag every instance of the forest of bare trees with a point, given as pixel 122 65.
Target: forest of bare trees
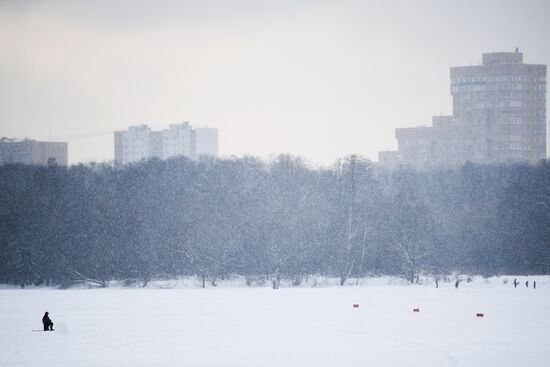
pixel 215 218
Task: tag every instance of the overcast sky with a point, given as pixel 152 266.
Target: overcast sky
pixel 320 79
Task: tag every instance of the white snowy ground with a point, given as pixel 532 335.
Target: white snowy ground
pixel 258 326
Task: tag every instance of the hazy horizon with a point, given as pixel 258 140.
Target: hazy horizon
pixel 316 79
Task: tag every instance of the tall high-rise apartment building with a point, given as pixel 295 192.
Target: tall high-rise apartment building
pixel 29 151
pixel 504 101
pixel 140 142
pixel 177 140
pixel 206 141
pixel 499 115
pixel 134 144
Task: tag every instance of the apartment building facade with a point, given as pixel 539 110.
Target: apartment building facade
pixel 30 151
pixel 499 115
pixel 140 142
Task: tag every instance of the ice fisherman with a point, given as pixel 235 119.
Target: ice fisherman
pixel 527 283
pixel 48 324
pixel 515 283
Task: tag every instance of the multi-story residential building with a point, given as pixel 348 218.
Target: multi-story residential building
pixel 178 140
pixel 443 143
pixel 29 151
pixel 504 100
pixel 140 142
pixel 499 115
pixel 206 141
pixel 133 145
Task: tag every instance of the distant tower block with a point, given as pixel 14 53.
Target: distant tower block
pixel 206 142
pixel 499 115
pixel 30 151
pixel 140 142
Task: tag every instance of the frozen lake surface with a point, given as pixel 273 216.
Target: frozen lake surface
pixel 288 327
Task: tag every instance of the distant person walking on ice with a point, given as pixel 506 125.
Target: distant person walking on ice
pixel 527 283
pixel 515 283
pixel 48 324
pixel 534 284
pixel 457 283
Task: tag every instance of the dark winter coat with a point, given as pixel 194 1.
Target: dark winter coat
pixel 46 320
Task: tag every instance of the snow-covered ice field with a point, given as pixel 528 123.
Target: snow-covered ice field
pixel 258 326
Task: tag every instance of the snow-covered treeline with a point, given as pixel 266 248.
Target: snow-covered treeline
pixel 279 219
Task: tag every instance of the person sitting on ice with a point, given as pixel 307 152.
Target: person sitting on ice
pixel 48 324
